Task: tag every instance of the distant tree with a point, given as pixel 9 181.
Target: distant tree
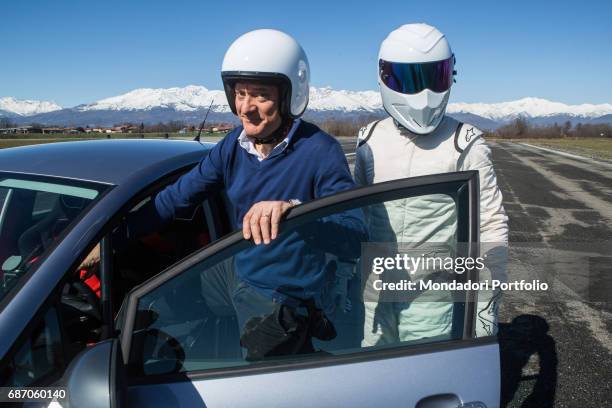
pixel 567 128
pixel 521 126
pixel 555 131
pixel 346 127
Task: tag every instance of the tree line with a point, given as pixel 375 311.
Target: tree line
pixel 345 127
pixel 160 127
pixel 520 128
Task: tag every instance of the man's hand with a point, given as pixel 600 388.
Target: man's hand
pixel 91 259
pixel 261 221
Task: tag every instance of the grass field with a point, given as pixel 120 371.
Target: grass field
pixel 598 148
pixel 18 140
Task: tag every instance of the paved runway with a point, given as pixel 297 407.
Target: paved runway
pixel 557 345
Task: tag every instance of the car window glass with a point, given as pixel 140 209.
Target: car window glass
pixel 225 312
pixel 44 203
pixel 35 213
pixel 40 356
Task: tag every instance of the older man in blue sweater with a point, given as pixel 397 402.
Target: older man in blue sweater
pixel 294 162
pixel 271 163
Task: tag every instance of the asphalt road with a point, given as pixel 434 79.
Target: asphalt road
pixel 556 345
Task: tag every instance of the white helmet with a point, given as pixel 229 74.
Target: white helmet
pixel 415 74
pixel 272 56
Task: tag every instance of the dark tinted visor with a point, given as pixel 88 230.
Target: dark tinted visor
pixel 413 78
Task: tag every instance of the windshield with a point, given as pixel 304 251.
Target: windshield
pixel 34 214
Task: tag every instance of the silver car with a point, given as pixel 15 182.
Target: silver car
pixel 145 332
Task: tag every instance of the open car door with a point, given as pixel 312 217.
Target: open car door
pixel 181 345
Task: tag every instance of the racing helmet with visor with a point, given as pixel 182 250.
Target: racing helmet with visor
pixel 416 72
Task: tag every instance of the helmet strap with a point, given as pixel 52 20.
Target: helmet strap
pixel 278 135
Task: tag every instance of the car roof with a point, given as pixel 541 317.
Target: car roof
pixel 107 161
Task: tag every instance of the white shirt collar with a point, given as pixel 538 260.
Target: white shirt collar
pixel 249 146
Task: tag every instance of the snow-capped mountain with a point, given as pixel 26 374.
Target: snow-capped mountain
pixel 21 107
pixel 190 103
pixel 193 97
pixel 529 108
pixel 328 99
pixel 187 99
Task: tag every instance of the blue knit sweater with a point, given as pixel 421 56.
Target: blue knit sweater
pixel 312 165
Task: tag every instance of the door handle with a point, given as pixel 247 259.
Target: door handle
pixel 447 401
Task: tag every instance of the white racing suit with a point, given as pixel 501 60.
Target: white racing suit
pixel 387 152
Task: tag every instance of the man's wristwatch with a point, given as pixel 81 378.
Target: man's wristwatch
pixel 294 202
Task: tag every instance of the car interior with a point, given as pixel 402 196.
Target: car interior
pixel 133 261
pixel 31 223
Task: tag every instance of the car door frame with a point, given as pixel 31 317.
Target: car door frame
pixel 466 186
pixel 212 211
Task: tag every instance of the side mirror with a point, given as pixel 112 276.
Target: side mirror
pixel 96 378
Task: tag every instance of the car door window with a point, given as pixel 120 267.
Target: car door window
pixel 214 311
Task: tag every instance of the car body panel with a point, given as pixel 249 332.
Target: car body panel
pixel 103 161
pixel 393 382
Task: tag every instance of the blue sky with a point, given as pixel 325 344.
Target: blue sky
pixel 73 52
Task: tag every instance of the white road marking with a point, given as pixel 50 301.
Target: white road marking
pixel 572 156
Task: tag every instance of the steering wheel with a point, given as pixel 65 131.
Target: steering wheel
pixel 85 300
